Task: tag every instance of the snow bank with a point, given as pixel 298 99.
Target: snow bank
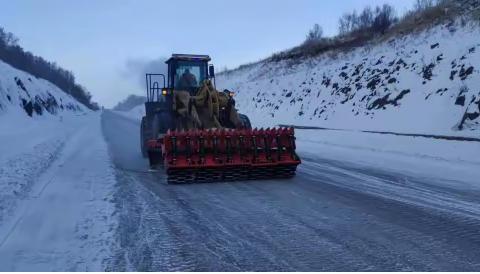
pixel 424 157
pixel 135 113
pixel 56 189
pixel 29 146
pixel 418 83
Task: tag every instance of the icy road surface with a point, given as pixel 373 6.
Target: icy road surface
pixel 333 217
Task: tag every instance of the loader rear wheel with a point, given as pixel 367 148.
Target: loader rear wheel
pixel 159 125
pixel 143 138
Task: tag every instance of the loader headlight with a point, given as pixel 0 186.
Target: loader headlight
pixel 164 92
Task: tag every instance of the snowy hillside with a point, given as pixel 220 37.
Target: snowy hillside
pixel 419 83
pixel 53 213
pixel 22 95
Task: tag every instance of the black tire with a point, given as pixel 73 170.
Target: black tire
pixel 158 128
pixel 143 138
pixel 151 128
pixel 245 121
pixel 159 124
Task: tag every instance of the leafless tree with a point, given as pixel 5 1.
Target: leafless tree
pixel 315 34
pixel 384 18
pixel 366 18
pixel 424 4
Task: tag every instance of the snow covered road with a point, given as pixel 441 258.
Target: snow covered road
pixel 341 213
pixel 58 214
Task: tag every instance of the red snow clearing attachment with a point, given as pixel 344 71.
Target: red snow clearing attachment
pixel 227 155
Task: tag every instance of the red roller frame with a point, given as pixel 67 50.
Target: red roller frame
pixel 217 149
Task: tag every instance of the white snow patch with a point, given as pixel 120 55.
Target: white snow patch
pixel 135 113
pixel 422 157
pixel 56 194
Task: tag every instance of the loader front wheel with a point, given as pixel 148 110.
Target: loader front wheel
pixel 245 121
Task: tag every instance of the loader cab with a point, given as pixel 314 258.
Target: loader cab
pixel 187 72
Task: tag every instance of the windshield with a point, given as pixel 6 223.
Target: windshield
pixel 189 74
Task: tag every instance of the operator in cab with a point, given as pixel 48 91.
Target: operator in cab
pixel 187 80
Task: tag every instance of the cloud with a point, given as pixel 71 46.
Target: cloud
pixel 135 69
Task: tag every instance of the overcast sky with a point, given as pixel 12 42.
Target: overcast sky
pixel 106 43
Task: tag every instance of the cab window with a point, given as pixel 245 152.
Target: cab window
pixel 189 75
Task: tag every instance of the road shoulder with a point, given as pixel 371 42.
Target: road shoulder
pixel 65 220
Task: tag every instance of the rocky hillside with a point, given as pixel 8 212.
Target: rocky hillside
pixel 425 82
pixel 22 94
